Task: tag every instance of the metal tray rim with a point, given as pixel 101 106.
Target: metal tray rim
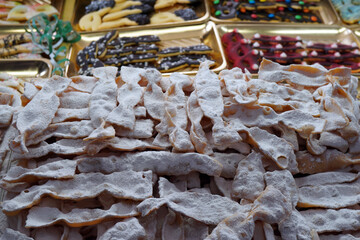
pixel 46 61
pixel 285 26
pixel 337 20
pixel 208 24
pixel 201 20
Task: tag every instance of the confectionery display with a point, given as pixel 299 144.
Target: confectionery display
pixel 109 14
pixel 349 10
pixel 213 156
pixel 247 53
pixel 268 11
pixel 18 46
pixel 15 12
pixel 143 52
pixel 11 89
pixel 200 129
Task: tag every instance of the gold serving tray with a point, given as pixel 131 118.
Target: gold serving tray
pixel 177 36
pixel 315 33
pixel 27 68
pixel 201 10
pixel 326 12
pixel 58 4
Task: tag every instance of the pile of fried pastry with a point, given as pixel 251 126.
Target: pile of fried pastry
pixel 11 89
pixel 213 156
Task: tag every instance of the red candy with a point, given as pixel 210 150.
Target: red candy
pixel 245 53
pixel 240 52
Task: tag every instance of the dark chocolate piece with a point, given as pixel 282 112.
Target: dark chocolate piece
pixel 198 49
pixel 81 58
pixel 141 65
pixel 116 43
pixel 96 5
pixel 172 65
pixel 109 37
pixel 145 8
pixel 186 14
pixel 149 2
pixel 114 61
pixel 143 48
pixel 147 57
pixel 140 19
pixel 146 39
pixel 171 51
pixel 100 50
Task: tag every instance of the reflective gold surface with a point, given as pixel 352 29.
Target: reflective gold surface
pixel 202 11
pixel 326 12
pixel 177 36
pixel 29 68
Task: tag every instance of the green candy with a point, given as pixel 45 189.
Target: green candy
pixel 301 3
pixel 298 17
pixel 218 13
pixel 216 1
